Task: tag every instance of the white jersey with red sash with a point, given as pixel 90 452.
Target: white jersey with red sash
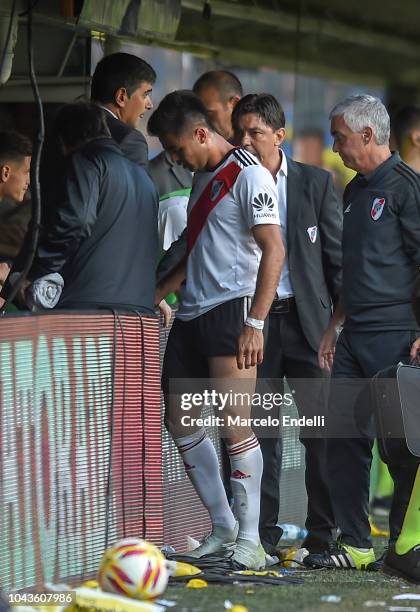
pixel 223 257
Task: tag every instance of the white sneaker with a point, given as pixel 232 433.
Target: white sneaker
pixel 216 541
pixel 247 555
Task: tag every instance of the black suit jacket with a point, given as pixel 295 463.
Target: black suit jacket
pixel 132 142
pixel 168 176
pixel 314 265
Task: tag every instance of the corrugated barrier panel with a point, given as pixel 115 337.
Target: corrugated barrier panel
pixel 80 442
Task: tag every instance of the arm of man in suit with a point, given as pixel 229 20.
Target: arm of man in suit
pixel 134 147
pixel 331 229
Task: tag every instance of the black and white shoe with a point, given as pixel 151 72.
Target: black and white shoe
pixel 341 556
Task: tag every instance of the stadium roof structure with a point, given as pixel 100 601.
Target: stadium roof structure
pixel 368 41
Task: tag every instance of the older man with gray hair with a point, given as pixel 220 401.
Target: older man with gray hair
pixel 381 257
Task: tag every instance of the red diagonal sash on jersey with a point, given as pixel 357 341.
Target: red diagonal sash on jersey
pixel 205 203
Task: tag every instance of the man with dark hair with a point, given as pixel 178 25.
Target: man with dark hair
pixel 405 130
pixel 219 91
pixel 233 261
pixel 308 289
pixel 15 162
pixel 122 84
pixel 102 239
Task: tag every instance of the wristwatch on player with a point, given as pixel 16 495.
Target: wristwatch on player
pixel 255 323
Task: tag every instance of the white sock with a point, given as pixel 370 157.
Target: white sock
pixel 247 466
pixel 202 466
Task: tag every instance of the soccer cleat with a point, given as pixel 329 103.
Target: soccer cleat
pixel 216 541
pixel 403 566
pixel 341 556
pixel 247 555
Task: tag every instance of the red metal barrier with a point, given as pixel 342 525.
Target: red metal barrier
pixel 80 436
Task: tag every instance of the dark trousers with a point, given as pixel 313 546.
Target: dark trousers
pixel 288 354
pixel 359 355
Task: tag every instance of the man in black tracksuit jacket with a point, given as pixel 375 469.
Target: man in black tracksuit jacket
pixel 103 236
pixel 381 257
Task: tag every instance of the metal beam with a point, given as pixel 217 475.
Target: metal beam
pixel 67 55
pixel 52 89
pixel 327 26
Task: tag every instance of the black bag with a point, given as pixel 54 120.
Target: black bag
pixel 395 395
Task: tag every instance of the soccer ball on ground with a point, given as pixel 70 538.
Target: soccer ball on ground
pixel 134 568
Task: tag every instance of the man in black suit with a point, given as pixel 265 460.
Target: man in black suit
pixel 311 225
pixel 122 84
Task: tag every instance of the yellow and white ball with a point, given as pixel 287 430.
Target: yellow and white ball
pixel 134 568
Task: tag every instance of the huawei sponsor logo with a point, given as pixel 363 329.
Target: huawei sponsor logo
pixel 263 200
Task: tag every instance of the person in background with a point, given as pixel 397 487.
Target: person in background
pixel 309 148
pixel 15 163
pixel 219 91
pixel 405 135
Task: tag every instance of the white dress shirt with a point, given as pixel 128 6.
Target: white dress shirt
pixel 284 288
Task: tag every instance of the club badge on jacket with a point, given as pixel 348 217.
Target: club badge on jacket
pixel 312 233
pixel 377 208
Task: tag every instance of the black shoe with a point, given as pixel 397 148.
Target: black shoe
pixel 403 566
pixel 381 506
pixel 315 545
pixel 341 556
